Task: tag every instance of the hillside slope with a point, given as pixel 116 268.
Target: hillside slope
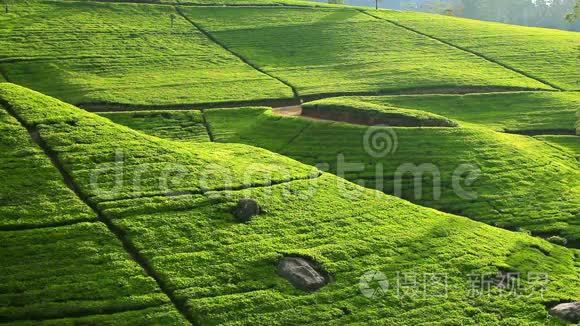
pixel 518 182
pixel 521 112
pixel 323 52
pixel 127 54
pixel 60 265
pixel 545 54
pixel 110 55
pixel 219 271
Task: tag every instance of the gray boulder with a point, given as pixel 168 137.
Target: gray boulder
pixel 567 311
pixel 302 273
pixel 246 209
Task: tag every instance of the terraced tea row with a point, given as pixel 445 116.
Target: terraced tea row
pixel 525 112
pixel 147 54
pixel 54 273
pixel 225 271
pixel 545 54
pixel 481 163
pixel 571 143
pixel 123 53
pixel 361 112
pixel 75 274
pixel 232 3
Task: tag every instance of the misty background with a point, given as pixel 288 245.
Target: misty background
pixel 560 14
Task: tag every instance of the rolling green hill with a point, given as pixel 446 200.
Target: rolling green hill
pixel 522 183
pixel 219 271
pixel 432 178
pixel 32 192
pixel 366 113
pixel 64 274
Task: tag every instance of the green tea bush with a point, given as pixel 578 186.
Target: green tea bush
pixel 354 111
pixel 68 271
pixel 32 190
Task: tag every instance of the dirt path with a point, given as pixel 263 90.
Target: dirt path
pixel 294 110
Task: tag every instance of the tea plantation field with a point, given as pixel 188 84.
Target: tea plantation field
pixel 545 54
pixel 216 270
pixel 131 54
pixel 128 54
pixel 185 126
pixel 346 51
pixel 544 197
pixel 33 193
pixel 166 162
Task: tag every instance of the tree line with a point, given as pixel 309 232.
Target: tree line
pixel 562 14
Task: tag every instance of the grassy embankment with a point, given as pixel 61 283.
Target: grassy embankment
pixel 545 200
pixel 224 271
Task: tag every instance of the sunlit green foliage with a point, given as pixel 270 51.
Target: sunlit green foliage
pixel 161 315
pixel 111 161
pixel 569 142
pixel 353 110
pixel 172 198
pixel 546 54
pixel 123 53
pixel 255 3
pixel 225 270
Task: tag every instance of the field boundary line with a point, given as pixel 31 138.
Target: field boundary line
pixel 293 139
pixel 464 49
pixel 127 244
pixel 207 126
pixel 117 107
pixel 3 75
pixel 203 192
pixel 239 56
pixel 178 3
